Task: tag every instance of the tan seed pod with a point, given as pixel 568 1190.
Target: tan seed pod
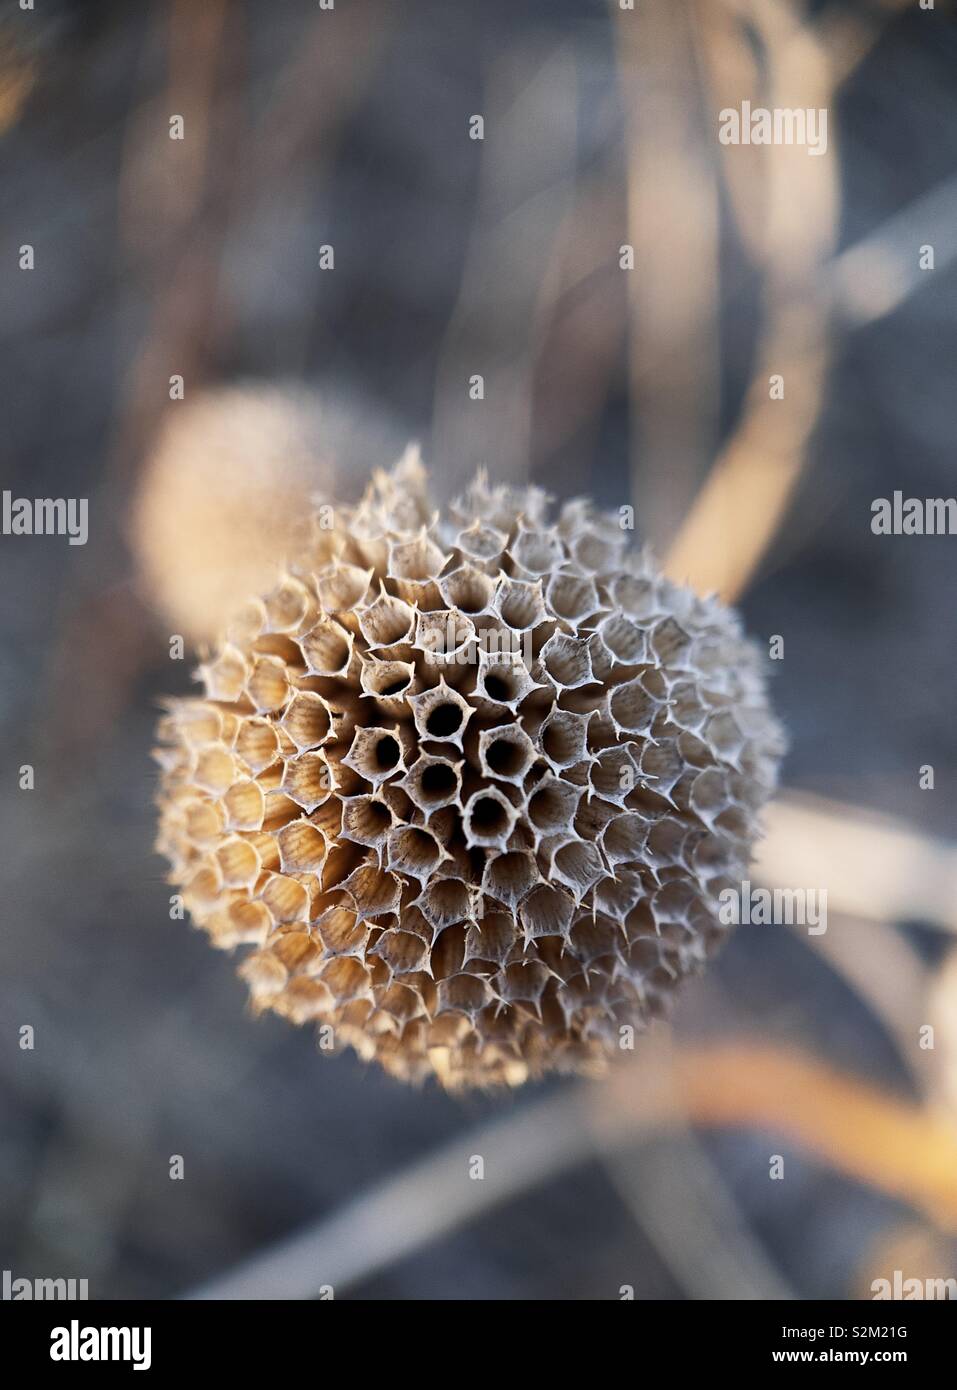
pixel 482 856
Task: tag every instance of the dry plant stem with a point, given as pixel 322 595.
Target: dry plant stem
pixel 221 167
pixel 877 872
pixel 424 1203
pixel 940 1009
pixel 898 1148
pixel 682 1205
pixel 786 208
pixel 507 286
pixel 877 274
pixel 894 1146
pixel 886 973
pixel 866 282
pixel 17 79
pixel 849 37
pixel 904 1150
pixel 672 292
pixel 872 866
pixel 737 511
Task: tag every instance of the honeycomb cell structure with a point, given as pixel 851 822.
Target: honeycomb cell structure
pixel 465 788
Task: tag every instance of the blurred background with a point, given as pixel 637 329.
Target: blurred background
pixel 202 258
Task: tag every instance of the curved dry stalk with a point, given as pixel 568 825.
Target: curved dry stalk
pixel 672 292
pixel 680 1201
pixel 786 206
pixel 884 970
pixel 899 1148
pixel 877 871
pixel 871 865
pixel 873 277
pixel 525 192
pixel 905 1150
pixel 428 1200
pixel 738 510
pixel 682 1205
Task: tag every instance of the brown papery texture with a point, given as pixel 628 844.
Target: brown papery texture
pixel 469 786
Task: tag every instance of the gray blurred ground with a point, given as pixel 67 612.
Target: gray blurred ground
pixel 348 128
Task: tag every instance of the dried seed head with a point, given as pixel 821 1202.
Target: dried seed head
pixel 229 478
pixel 226 491
pixel 470 787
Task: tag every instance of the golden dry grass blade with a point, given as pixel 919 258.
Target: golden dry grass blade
pixel 896 1147
pixel 786 206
